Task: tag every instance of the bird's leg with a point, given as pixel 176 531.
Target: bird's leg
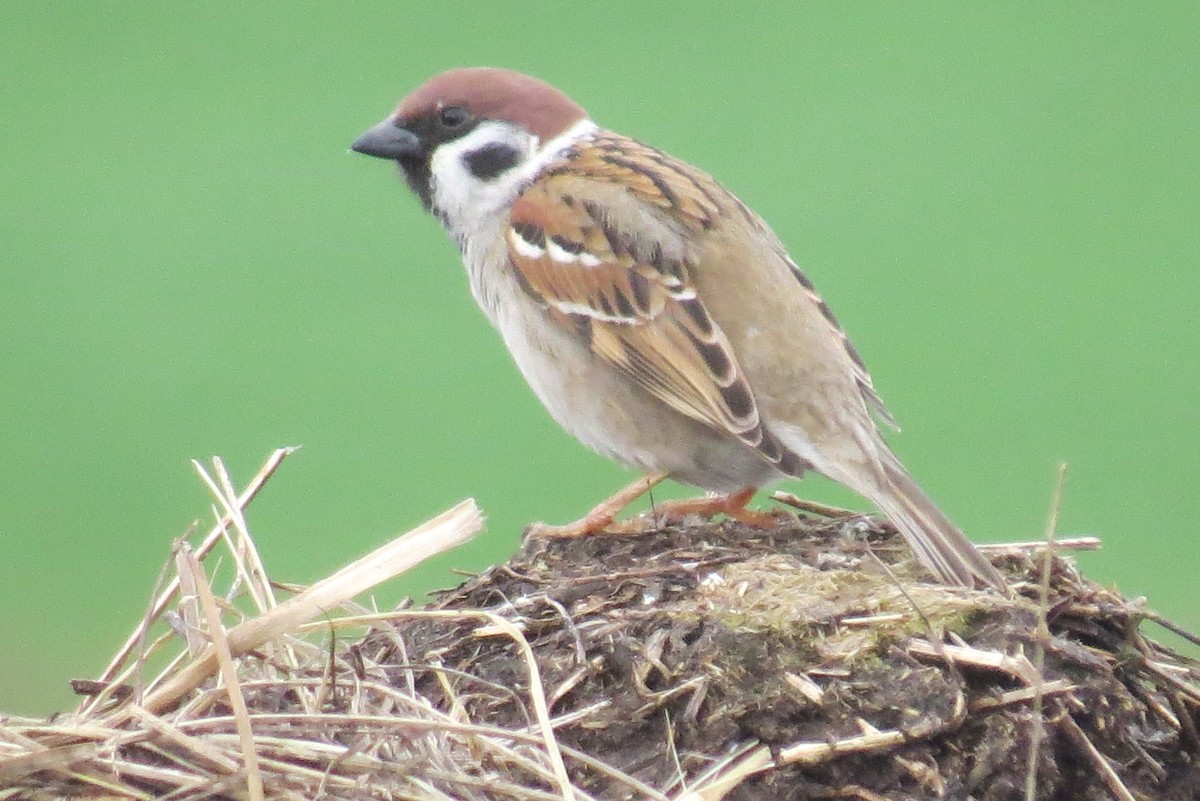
pixel 732 505
pixel 602 516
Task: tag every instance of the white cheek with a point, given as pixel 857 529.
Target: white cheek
pixel 475 211
pixel 469 205
pixel 458 195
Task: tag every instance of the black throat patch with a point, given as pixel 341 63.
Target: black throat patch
pixel 419 179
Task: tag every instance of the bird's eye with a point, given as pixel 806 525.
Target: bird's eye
pixel 453 117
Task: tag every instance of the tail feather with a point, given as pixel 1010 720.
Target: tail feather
pixel 937 542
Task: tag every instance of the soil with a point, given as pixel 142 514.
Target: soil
pixel 674 654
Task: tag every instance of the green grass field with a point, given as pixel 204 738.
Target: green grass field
pixel 1000 201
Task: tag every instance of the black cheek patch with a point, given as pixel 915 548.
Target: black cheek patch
pixel 491 160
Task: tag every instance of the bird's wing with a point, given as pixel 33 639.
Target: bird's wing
pixel 607 260
pixel 858 368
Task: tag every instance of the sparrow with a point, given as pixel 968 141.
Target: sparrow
pixel 658 319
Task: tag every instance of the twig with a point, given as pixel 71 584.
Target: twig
pixel 537 693
pixel 220 646
pixel 248 564
pixel 1064 544
pixel 801 683
pixel 812 753
pixel 446 531
pixel 1111 780
pixel 196 746
pixel 722 783
pixel 1048 689
pixel 189 603
pixel 1042 639
pixel 813 507
pixel 1174 628
pixel 1017 667
pixel 168 593
pixel 40 758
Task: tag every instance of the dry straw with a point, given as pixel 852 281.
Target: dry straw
pixel 702 663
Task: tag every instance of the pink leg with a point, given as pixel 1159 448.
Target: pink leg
pixel 602 516
pixel 732 505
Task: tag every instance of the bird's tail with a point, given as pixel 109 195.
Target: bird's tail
pixel 937 542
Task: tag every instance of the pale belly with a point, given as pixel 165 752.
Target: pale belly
pixel 613 416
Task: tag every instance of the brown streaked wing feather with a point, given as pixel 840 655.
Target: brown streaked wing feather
pixel 641 308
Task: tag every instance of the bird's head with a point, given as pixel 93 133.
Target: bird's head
pixel 469 140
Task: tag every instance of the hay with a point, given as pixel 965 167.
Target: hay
pixel 693 664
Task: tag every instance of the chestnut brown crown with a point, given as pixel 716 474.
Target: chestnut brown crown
pixel 487 93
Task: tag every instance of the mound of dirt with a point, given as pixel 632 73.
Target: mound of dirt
pixel 810 662
pixel 696 663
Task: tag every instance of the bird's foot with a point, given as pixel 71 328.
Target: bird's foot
pixel 732 505
pixel 600 519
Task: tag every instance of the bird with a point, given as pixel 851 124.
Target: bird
pixel 655 315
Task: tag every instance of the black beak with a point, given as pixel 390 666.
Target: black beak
pixel 387 140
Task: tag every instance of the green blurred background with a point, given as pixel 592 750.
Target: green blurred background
pixel 999 200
